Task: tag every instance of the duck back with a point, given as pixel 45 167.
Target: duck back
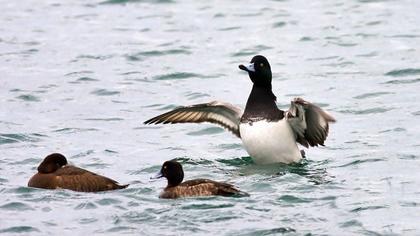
pixel 200 187
pixel 74 178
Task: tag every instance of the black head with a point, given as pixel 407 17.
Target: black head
pixel 52 163
pixel 259 71
pixel 173 172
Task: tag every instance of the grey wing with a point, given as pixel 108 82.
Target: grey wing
pixel 216 112
pixel 309 122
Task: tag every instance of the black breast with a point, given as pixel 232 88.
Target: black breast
pixel 261 105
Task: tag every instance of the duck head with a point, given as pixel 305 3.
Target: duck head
pixel 173 172
pixel 259 71
pixel 52 163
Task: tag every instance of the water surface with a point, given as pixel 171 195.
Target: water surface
pixel 80 77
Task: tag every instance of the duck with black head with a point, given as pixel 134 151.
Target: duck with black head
pixel 268 134
pixel 173 172
pixel 54 173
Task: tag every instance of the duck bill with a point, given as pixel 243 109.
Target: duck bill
pixel 157 176
pixel 248 68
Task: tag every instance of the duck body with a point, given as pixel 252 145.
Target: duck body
pixel 199 187
pixel 55 173
pixel 173 172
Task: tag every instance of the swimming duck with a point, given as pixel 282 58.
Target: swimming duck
pixel 54 172
pixel 268 134
pixel 172 171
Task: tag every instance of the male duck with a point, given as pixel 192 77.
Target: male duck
pixel 53 173
pixel 268 133
pixel 172 171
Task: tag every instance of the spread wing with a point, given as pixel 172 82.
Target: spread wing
pixel 309 122
pixel 77 179
pixel 215 112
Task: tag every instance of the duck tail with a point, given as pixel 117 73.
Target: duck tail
pixel 229 190
pixel 122 186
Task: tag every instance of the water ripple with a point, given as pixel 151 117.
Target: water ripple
pixel 138 56
pixel 84 221
pixel 74 130
pixel 279 24
pixel 292 199
pixel 195 95
pixel 136 1
pixel 368 208
pixel 251 51
pixel 374 110
pixel 230 28
pixel 273 231
pixel 85 205
pixel 403 72
pixel 86 79
pixel 16 206
pixel 371 95
pixel 206 131
pixel 78 73
pixel 204 206
pixel 19 229
pixel 108 201
pixel 15 138
pixel 358 162
pixel 28 98
pixel 177 75
pixel 403 81
pixel 104 92
pixel 94 57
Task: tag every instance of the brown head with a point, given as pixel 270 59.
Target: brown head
pixel 51 163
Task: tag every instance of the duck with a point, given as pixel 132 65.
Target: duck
pixel 269 135
pixel 55 173
pixel 173 172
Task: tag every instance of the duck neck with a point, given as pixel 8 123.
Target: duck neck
pixel 261 104
pixel 175 181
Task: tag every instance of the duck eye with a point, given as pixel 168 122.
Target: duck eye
pixel 262 65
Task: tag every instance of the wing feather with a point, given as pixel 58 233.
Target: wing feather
pixel 309 122
pixel 221 113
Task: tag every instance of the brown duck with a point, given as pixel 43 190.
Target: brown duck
pixel 53 173
pixel 172 171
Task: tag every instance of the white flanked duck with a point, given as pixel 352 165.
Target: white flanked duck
pixel 269 134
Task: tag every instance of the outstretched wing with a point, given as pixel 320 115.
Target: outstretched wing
pixel 216 112
pixel 309 122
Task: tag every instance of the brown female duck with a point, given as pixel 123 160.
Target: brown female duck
pixel 172 171
pixel 53 173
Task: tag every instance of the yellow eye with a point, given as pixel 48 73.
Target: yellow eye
pixel 262 65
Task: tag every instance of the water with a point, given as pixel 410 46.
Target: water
pixel 80 77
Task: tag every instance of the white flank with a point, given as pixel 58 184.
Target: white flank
pixel 270 142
